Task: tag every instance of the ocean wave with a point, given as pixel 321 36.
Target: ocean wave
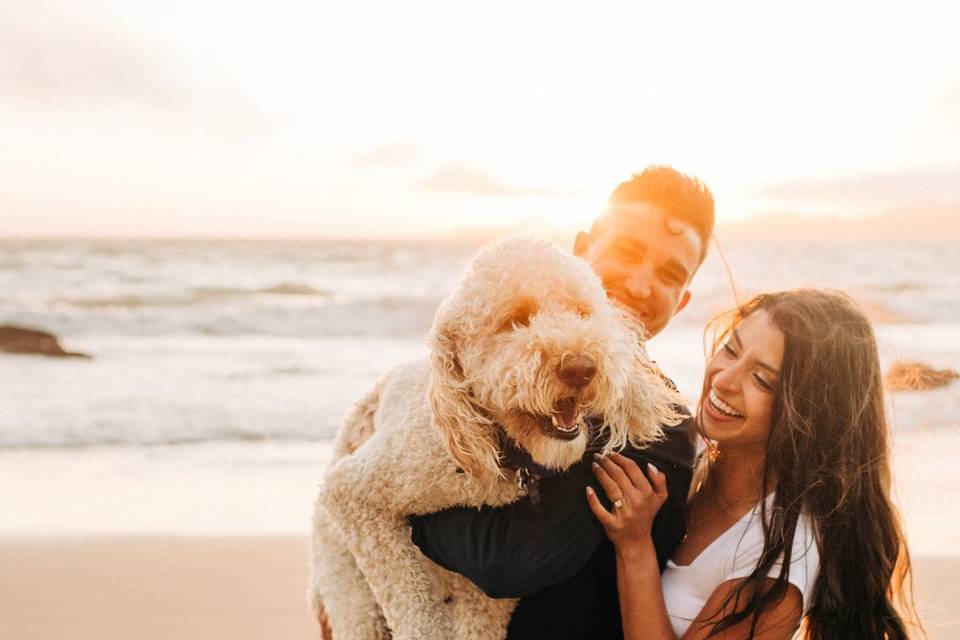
pixel 281 315
pixel 130 302
pixel 879 308
pixel 391 316
pixel 197 295
pixel 292 370
pixel 77 442
pixel 293 289
pixel 901 287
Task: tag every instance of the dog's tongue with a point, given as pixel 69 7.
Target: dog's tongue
pixel 566 412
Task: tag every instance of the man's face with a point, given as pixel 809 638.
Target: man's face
pixel 645 260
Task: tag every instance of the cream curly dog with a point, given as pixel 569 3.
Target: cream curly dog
pixel 521 353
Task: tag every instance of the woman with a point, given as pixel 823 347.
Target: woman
pixel 790 515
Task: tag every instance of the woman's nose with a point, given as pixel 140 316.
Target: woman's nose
pixel 726 379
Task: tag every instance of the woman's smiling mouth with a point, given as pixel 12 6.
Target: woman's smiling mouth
pixel 722 407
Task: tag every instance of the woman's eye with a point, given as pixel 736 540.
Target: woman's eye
pixel 729 350
pixel 763 383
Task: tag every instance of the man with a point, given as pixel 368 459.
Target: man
pixel 553 554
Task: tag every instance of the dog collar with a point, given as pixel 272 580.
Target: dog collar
pixel 529 473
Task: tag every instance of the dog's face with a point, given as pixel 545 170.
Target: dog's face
pixel 529 341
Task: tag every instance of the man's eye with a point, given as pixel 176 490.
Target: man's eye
pixel 672 277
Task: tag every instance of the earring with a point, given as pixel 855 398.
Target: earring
pixel 713 451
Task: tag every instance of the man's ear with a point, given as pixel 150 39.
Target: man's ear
pixel 580 244
pixel 684 299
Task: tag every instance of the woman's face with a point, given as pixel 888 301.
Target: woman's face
pixel 739 382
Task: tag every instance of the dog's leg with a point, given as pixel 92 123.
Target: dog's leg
pixel 358 424
pixel 394 568
pixel 339 589
pixel 476 617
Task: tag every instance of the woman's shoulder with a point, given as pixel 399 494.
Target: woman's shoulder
pixel 804 552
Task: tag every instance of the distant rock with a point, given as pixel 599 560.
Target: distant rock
pixel 916 376
pixel 21 340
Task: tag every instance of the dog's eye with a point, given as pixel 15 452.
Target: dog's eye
pixel 519 318
pixel 522 319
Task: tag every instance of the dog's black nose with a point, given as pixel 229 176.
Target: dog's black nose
pixel 577 372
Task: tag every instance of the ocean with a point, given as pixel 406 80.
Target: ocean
pixel 256 341
pixel 246 354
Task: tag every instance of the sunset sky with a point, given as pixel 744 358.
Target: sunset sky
pixel 376 118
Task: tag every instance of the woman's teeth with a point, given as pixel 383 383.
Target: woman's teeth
pixel 722 406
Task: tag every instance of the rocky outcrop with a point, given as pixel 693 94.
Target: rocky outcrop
pixel 32 341
pixel 916 376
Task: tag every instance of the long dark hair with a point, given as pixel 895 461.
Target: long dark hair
pixel 827 456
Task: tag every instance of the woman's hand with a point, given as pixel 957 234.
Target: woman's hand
pixel 635 499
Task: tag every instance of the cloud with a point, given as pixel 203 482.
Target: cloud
pixel 50 61
pixel 459 178
pixel 951 97
pixel 875 188
pixel 470 180
pixel 394 154
pixel 934 223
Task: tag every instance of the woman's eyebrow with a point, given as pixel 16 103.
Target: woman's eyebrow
pixel 764 365
pixel 760 363
pixel 736 336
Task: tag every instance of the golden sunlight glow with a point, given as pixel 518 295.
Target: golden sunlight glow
pixel 378 119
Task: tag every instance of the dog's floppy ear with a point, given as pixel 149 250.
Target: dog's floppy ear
pixel 650 402
pixel 467 431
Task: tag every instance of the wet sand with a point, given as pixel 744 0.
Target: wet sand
pixel 236 588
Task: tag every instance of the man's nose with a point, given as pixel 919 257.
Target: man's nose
pixel 639 284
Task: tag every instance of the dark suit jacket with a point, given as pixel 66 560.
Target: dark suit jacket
pixel 555 555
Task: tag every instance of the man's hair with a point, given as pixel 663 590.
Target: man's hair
pixel 680 196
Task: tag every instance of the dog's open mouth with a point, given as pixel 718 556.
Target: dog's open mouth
pixel 565 421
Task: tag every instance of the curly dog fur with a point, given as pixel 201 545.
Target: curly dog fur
pixel 529 344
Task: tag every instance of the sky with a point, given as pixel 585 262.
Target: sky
pixel 373 118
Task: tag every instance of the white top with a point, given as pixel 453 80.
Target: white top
pixel 734 554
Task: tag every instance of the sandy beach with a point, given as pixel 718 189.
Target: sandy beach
pixel 236 588
pixel 152 588
pixel 210 541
